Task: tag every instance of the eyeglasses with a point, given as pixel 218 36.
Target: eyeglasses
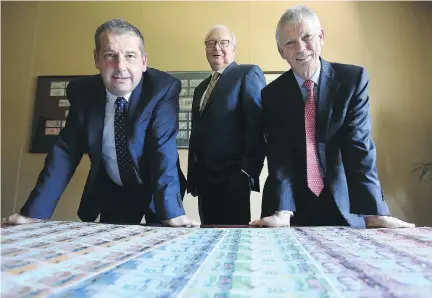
pixel 222 43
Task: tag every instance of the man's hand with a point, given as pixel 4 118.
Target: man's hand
pixel 279 219
pixel 377 221
pixel 181 221
pixel 18 219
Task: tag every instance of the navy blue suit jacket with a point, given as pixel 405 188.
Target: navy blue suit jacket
pixel 152 126
pixel 227 135
pixel 345 147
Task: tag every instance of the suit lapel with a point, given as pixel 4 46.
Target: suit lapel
pixel 292 84
pixel 135 106
pixel 294 104
pixel 198 94
pixel 97 119
pixel 218 87
pixel 328 88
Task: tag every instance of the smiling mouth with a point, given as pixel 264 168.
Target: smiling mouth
pixel 303 58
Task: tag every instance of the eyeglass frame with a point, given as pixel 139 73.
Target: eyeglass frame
pixel 218 42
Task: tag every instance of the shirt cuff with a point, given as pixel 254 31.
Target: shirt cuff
pixel 286 212
pixel 245 173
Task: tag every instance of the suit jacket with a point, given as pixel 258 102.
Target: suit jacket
pixel 227 135
pixel 152 126
pixel 346 151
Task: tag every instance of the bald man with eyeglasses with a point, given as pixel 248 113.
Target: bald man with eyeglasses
pixel 226 151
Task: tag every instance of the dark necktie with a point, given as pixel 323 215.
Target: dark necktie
pixel 314 179
pixel 125 165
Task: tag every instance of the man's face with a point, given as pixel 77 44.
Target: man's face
pixel 300 45
pixel 120 62
pixel 222 53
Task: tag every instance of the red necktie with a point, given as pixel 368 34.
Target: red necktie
pixel 314 179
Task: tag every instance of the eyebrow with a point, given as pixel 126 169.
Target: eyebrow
pixel 303 35
pixel 108 50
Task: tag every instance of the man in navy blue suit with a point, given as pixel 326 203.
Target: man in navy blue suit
pixel 126 118
pixel 226 151
pixel 320 152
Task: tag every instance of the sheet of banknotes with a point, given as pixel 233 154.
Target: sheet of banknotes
pixel 70 259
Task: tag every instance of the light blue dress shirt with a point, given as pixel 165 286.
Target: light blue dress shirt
pixel 315 78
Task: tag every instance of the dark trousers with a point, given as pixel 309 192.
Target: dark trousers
pixel 126 205
pixel 226 202
pixel 317 211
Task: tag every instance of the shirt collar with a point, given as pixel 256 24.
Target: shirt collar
pixel 314 78
pixel 220 71
pixel 112 98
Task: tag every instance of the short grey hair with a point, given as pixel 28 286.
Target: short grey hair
pixel 217 27
pixel 295 15
pixel 119 27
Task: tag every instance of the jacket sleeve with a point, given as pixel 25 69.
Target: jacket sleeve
pixel 60 164
pixel 164 156
pixel 278 194
pixel 359 155
pixel 253 159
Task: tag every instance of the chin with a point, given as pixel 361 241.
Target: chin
pixel 122 87
pixel 215 67
pixel 119 92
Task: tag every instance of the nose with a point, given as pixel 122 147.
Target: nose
pixel 301 45
pixel 217 47
pixel 121 63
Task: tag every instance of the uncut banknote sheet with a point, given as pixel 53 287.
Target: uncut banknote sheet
pixel 71 259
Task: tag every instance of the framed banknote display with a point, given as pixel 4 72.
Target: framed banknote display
pixel 50 111
pixel 189 81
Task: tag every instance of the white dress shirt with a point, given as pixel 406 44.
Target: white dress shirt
pixel 109 154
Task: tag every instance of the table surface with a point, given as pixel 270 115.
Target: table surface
pixel 74 259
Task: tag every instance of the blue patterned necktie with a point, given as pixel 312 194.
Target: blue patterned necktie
pixel 125 165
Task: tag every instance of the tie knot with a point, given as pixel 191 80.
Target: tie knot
pixel 215 76
pixel 121 102
pixel 308 84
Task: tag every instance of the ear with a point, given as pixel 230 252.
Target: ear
pixel 144 62
pixel 96 58
pixel 234 48
pixel 321 36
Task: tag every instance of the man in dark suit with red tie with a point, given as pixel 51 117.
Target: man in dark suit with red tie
pixel 320 152
pixel 126 119
pixel 226 151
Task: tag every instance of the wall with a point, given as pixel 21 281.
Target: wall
pixel 391 39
